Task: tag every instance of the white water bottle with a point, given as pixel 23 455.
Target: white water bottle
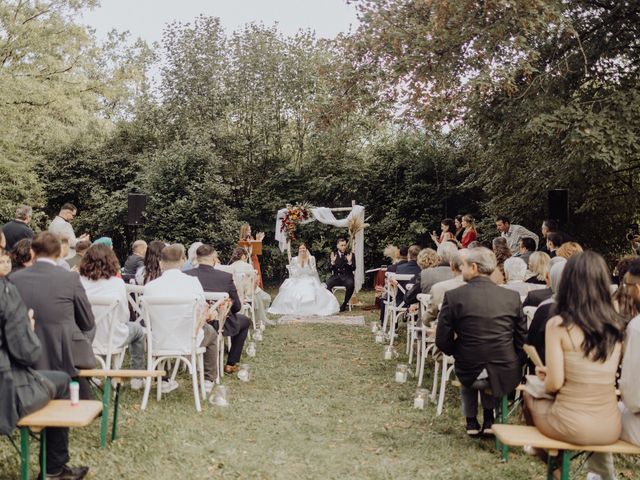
pixel 74 389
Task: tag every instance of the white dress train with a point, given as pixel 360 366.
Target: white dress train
pixel 303 294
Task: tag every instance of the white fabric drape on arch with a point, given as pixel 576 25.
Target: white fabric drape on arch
pixel 326 216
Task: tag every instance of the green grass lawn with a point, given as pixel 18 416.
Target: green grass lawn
pixel 322 404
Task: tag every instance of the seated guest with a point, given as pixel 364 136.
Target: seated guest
pixel 548 226
pixel 535 335
pixel 526 248
pixel 482 326
pixel 402 258
pixel 583 347
pixel 21 255
pixel 23 390
pixel 435 268
pixel 514 271
pixel 18 229
pixel 538 267
pixel 174 283
pixel 628 300
pixel 150 270
pixel 502 252
pixel 81 248
pixel 5 263
pixel 537 297
pixel 237 325
pixel 447 228
pixel 106 241
pixel 64 320
pixel 439 289
pixel 192 257
pixel 136 259
pixel 410 267
pixel 622 266
pixel 64 253
pixel 554 242
pixel 98 273
pixel 513 233
pixel 239 264
pixel 568 249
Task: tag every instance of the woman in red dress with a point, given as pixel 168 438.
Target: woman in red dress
pixel 245 236
pixel 470 234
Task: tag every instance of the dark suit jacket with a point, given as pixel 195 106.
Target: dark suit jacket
pixel 490 329
pixel 536 297
pixel 341 267
pixel 213 280
pixel 64 320
pixel 535 336
pixel 21 392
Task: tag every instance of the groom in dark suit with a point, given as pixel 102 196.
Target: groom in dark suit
pixel 343 265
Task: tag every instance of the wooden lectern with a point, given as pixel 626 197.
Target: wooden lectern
pixel 253 246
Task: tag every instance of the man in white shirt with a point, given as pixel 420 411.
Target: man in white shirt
pixel 513 233
pixel 61 225
pixel 174 283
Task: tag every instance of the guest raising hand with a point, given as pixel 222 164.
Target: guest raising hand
pixel 447 227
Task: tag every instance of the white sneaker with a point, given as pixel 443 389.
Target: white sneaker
pixel 208 385
pixel 137 384
pixel 169 386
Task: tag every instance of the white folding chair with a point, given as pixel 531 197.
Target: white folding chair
pixel 246 286
pixel 134 292
pixel 396 311
pixel 340 288
pixel 215 299
pixel 172 334
pixel 104 309
pixel 447 368
pixel 425 343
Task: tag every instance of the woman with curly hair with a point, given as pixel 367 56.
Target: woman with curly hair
pixel 21 255
pixel 151 268
pixel 98 273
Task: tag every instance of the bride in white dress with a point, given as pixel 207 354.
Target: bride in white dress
pixel 302 293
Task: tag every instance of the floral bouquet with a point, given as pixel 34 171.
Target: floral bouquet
pixel 294 216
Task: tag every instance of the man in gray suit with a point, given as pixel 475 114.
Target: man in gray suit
pixel 64 321
pixel 482 326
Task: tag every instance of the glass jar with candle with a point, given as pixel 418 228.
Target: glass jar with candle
pixel 379 336
pixel 389 352
pixel 374 326
pixel 420 398
pixel 219 396
pixel 257 335
pixel 401 373
pixel 244 373
pixel 251 349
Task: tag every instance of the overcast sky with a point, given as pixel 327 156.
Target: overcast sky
pixel 147 18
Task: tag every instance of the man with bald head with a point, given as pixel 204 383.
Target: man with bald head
pixel 136 259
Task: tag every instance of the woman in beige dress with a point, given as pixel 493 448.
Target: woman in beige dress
pixel 583 348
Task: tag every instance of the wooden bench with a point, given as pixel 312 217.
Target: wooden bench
pixel 117 377
pixel 521 435
pixel 57 413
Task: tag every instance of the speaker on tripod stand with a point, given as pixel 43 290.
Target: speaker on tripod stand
pixel 559 206
pixel 136 204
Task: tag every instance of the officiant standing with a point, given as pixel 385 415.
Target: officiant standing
pixel 246 236
pixel 343 265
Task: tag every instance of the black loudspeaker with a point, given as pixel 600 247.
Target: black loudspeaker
pixel 559 206
pixel 136 205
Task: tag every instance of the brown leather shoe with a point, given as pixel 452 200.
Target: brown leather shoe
pixel 231 368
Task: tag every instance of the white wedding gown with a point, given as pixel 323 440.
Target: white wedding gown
pixel 303 294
